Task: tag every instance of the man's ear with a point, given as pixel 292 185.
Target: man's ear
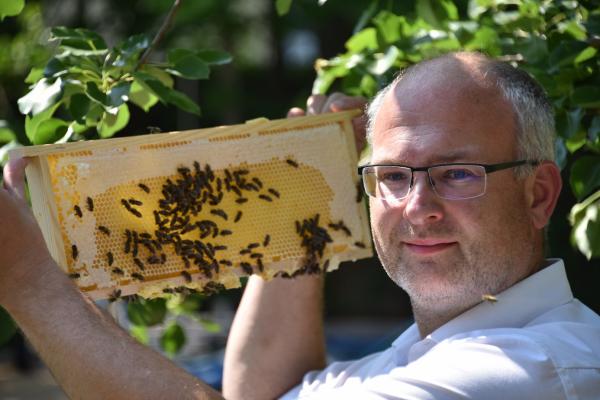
pixel 543 192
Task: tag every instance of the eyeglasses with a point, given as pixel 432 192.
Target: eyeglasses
pixel 452 181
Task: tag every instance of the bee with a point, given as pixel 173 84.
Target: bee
pixel 359 192
pixel 267 240
pixel 137 276
pixel 260 264
pixel 236 190
pixel 256 255
pixel 153 129
pixel 90 204
pixel 247 268
pixel 292 162
pixel 109 258
pixel 226 232
pixel 219 248
pixel 153 260
pixel 74 252
pixel 186 262
pixel 117 271
pixel 168 290
pixel 245 251
pixel 489 297
pixel 220 213
pixel 253 245
pixel 104 230
pixel 226 262
pixel 274 192
pixel 186 276
pixel 163 258
pixel 237 216
pixel 325 265
pixel 241 200
pixel 74 275
pixel 115 295
pixel 139 263
pixel 360 244
pixel 128 241
pixel 135 202
pixel 77 210
pixel 264 197
pixel 257 182
pixel 144 187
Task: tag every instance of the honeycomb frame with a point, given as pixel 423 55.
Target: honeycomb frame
pixel 154 213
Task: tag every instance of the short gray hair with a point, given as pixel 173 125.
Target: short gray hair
pixel 534 115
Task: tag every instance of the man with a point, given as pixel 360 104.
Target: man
pixel 448 234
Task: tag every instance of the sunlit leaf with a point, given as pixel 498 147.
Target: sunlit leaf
pixel 94 93
pixel 188 66
pixel 363 40
pixel 118 94
pixel 42 96
pixel 585 55
pixel 141 96
pixel 173 339
pixel 10 8
pixel 585 219
pixel 34 75
pixel 78 38
pixel 140 333
pixel 111 123
pixel 6 134
pixel 32 123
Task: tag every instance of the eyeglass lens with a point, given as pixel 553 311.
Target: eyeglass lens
pixel 448 181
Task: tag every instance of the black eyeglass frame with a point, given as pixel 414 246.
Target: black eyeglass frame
pixel 488 168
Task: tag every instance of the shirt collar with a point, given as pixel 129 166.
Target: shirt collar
pixel 516 306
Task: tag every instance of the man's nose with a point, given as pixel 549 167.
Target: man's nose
pixel 423 205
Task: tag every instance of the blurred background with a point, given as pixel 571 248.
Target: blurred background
pixel 273 69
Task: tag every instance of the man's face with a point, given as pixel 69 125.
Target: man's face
pixel 447 253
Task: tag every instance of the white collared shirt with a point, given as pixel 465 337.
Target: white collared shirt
pixel 535 342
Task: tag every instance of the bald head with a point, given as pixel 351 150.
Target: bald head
pixel 485 84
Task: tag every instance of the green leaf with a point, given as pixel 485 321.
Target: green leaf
pixel 94 93
pixel 390 26
pixel 561 153
pixel 34 75
pixel 166 94
pixel 49 131
pixel 585 176
pixel 147 312
pixel 112 122
pixel 172 339
pixel 6 134
pixel 10 8
pixel 594 129
pixel 78 38
pixel 32 123
pixel 184 102
pixel 586 54
pixel 568 122
pixel 363 40
pixel 585 219
pixel 41 97
pixel 54 67
pixel 141 96
pixel 565 53
pixel 385 61
pixel 283 6
pixel 187 66
pixel 128 53
pixel 210 326
pixel 436 16
pixel 486 39
pixel 7 327
pixel 79 104
pixel 140 333
pixel 118 94
pixel 214 57
pixel 586 96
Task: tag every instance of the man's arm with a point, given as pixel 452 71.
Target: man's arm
pixel 277 335
pixel 88 354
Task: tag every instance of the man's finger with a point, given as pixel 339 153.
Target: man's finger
pixel 333 98
pixel 348 103
pixel 295 112
pixel 314 104
pixel 14 177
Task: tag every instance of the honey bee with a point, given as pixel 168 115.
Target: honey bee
pixel 74 252
pixel 225 232
pixel 241 200
pixel 144 187
pixel 489 297
pixel 292 162
pixel 237 216
pixel 267 240
pixel 117 271
pixel 220 213
pixel 109 258
pixel 135 202
pixel 74 275
pixel 253 245
pixel 137 276
pixel 139 263
pixel 115 295
pixel 360 244
pixel 77 210
pixel 104 230
pixel 274 192
pixel 265 197
pixel 226 262
pixel 90 204
pixel 186 276
pixel 258 182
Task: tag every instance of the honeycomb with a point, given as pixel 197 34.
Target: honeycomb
pixel 191 209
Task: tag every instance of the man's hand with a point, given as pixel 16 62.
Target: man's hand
pixel 320 104
pixel 23 250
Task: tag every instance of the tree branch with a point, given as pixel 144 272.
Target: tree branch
pixel 160 34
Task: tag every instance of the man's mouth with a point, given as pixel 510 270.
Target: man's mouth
pixel 428 246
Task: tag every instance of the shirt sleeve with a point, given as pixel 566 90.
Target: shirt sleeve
pixel 490 368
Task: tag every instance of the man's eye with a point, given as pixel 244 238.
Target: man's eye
pixel 394 177
pixel 458 174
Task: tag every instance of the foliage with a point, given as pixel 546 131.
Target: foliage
pixel 92 86
pixel 164 312
pixel 10 8
pixel 556 41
